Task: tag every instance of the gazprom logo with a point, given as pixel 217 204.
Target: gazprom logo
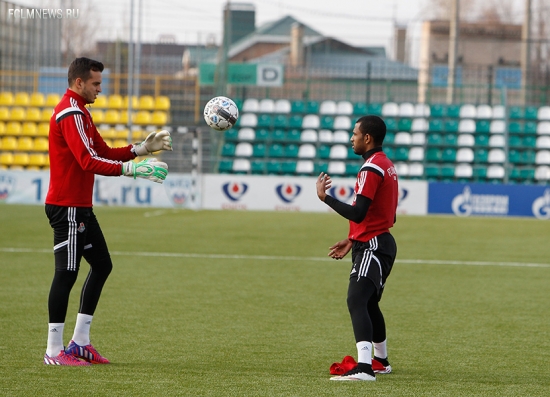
pixel 234 190
pixel 541 206
pixel 288 192
pixel 467 204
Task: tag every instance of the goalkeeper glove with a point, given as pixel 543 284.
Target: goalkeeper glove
pixel 151 169
pixel 154 142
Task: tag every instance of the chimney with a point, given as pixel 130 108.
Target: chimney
pixel 400 44
pixel 297 44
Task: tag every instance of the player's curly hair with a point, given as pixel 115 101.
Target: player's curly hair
pixel 374 126
pixel 81 68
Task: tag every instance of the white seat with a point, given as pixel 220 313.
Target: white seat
pixel 496 156
pixel 418 138
pixel 402 169
pixel 406 109
pixel 543 113
pixel 241 165
pixel 327 107
pixel 495 172
pixel 390 109
pixel 311 121
pixel 484 112
pixel 304 167
pixel 325 136
pixel 419 125
pixel 282 106
pixel 243 149
pixel 267 105
pixel 499 112
pixel 416 154
pixel 338 152
pixel 542 173
pixel 342 123
pixel 341 136
pixel 497 127
pixel 307 151
pixel 467 126
pixel 421 110
pixel 464 155
pixel 496 140
pixel 468 111
pixel 308 136
pixel 249 120
pixel 463 171
pixel 336 168
pixel 543 128
pixel 542 157
pixel 402 138
pixel 246 134
pixel 543 142
pixel 251 105
pixel 466 140
pixel 416 169
pixel 344 108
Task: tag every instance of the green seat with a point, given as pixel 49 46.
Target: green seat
pixel 297 107
pixel 257 167
pixel 434 140
pixel 374 109
pixel 432 172
pixel 450 140
pixel 479 173
pixel 291 151
pixel 228 149
pixel 482 140
pixel 438 110
pixel 352 169
pixel 323 152
pixel 390 137
pixel 527 174
pixel 447 172
pixel 481 155
pixel 278 136
pixel 295 121
pixel 433 155
pixel 274 167
pixel 312 107
pixel 327 122
pixel 258 150
pixel 265 120
pixel 262 135
pixel 404 125
pixel 515 174
pixel 435 125
pixel 280 121
pixel 448 155
pixel 231 134
pixel 401 154
pixel 293 135
pixel 391 124
pixel 530 128
pixel 360 109
pixel 514 141
pixel 321 166
pixel 275 150
pixel 451 126
pixel 288 167
pixel 516 112
pixel 225 166
pixel 514 156
pixel 483 126
pixel 390 152
pixel 515 127
pixel 528 156
pixel 529 141
pixel 453 111
pixel 530 113
pixel 352 155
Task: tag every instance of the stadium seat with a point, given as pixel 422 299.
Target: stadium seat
pixel 338 152
pixel 434 140
pixel 390 137
pixel 311 121
pixel 543 113
pixel 543 128
pixel 406 109
pixel 514 156
pixel 241 166
pixel 463 171
pixel 542 173
pixel 416 154
pixel 495 172
pixel 467 126
pixel 433 155
pixel 6 159
pixel 100 102
pixel 40 144
pixel 514 141
pixel 13 128
pixel 266 105
pixel 453 111
pixel 542 157
pixel 421 110
pixel 438 110
pixel 162 103
pixel 145 102
pixel 243 149
pixel 483 126
pixel 291 150
pixel 37 99
pixel 416 170
pixel 52 100
pixel 159 118
pixel 481 155
pixel 402 138
pixel 466 140
pixel 327 122
pixel 325 136
pixel 390 109
pixel 295 121
pixel 402 169
pixel 263 134
pixel 307 151
pixel 278 135
pixel 275 151
pixel 20 159
pixel 496 140
pixel 33 114
pixel 450 140
pixel 228 149
pixel 344 108
pixel 342 122
pixel 6 98
pixel 530 127
pixel 251 105
pixel 29 129
pixel 336 168
pixel 401 154
pixel 323 152
pixel 43 129
pixel 293 135
pixel 468 111
pixel 418 138
pixel 18 113
pixel 484 112
pixel 112 116
pixel 543 142
pixel 282 106
pixel 259 150
pixel 497 127
pixel 97 115
pixel 297 107
pixel 4 113
pixel 288 167
pixel 115 101
pixel 312 107
pixel 352 169
pixel 465 155
pixel 432 172
pixel 2 128
pixel 126 102
pixel 246 134
pixel 481 140
pixel 451 126
pixel 231 134
pixel 404 124
pixel 374 109
pixel 530 113
pixel 391 124
pixel 516 113
pixel 496 156
pixel 360 109
pixel 280 121
pixel 514 127
pixel 265 120
pixel 448 155
pixel 499 112
pixel 420 125
pixel 38 159
pixel 21 99
pixel 46 115
pixel 390 152
pixel 248 120
pixel 341 136
pixel 225 166
pixel 258 166
pixel 435 125
pixel 308 135
pixel 24 144
pixel 328 107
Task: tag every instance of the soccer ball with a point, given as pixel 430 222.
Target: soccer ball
pixel 221 113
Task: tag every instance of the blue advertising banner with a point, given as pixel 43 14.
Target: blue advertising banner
pixel 489 200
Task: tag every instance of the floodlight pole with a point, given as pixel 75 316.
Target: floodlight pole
pixel 453 51
pixel 525 51
pixel 130 77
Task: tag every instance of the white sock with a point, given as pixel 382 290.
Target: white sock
pixel 380 349
pixel 55 339
pixel 364 352
pixel 81 334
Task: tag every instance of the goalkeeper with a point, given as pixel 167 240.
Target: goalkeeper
pixel 78 153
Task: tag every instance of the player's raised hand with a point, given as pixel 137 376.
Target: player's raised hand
pixel 323 184
pixel 151 169
pixel 154 142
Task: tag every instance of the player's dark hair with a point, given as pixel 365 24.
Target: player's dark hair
pixel 81 68
pixel 374 126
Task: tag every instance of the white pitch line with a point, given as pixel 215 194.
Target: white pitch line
pixel 288 258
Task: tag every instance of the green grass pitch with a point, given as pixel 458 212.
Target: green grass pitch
pixel 215 303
